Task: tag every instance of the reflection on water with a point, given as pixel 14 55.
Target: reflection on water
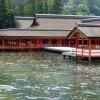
pixel 46 76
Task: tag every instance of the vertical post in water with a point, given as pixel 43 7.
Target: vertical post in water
pixel 89 50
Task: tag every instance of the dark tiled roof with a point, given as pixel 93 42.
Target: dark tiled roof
pixel 51 21
pixel 90 31
pixel 48 23
pixel 32 32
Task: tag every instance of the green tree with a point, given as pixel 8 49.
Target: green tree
pixel 94 6
pixel 56 6
pixel 32 4
pixel 45 7
pixel 22 8
pixel 40 6
pixel 2 10
pixel 77 7
pixel 6 14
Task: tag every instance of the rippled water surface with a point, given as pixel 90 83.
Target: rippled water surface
pixel 46 76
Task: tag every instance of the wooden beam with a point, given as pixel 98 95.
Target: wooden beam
pixel 3 44
pixel 20 43
pixel 82 49
pixel 31 45
pixel 89 50
pixel 50 43
pixel 60 43
pixel 37 43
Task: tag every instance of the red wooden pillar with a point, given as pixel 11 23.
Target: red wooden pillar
pixel 57 43
pixel 34 42
pixel 90 47
pixel 3 44
pixel 37 42
pixel 69 43
pixel 50 45
pixel 60 42
pixel 82 48
pixel 41 43
pixel 76 46
pixel 20 43
pixel 77 43
pixel 31 45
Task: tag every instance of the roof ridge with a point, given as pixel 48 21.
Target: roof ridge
pixel 24 17
pixel 64 16
pixel 90 19
pixel 31 29
pixel 87 25
pixel 56 16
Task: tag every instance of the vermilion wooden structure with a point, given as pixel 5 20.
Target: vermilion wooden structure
pixel 31 42
pixel 86 40
pixel 32 39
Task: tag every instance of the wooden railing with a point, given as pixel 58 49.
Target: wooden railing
pixel 20 47
pixel 86 52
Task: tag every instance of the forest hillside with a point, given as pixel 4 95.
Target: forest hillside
pixel 11 8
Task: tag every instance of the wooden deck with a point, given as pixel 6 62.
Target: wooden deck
pixel 70 51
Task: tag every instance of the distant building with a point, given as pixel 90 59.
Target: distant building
pixel 49 30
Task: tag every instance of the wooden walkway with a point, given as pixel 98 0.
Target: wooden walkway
pixel 70 51
pixel 60 49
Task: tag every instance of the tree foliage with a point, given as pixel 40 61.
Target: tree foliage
pixel 56 6
pixel 10 8
pixel 80 7
pixel 6 14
